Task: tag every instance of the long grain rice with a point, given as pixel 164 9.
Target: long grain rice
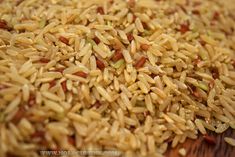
pixel 230 141
pixel 62 86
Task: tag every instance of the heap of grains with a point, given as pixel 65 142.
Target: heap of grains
pixel 123 75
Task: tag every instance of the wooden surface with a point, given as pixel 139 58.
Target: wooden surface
pixel 201 148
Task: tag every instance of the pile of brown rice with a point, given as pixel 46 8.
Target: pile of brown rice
pixel 133 76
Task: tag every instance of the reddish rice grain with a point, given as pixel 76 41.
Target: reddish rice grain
pixel 35 119
pixel 145 26
pixel 202 42
pixel 233 63
pixel 44 60
pixel 64 40
pixel 97 104
pixel 184 27
pixel 19 115
pixel 196 12
pixel 4 25
pixel 100 10
pixel 140 62
pixel 52 83
pixel 153 75
pixel 38 134
pixel 197 61
pixel 59 70
pixel 81 74
pixel 215 72
pixel 71 140
pixel 216 16
pixel 134 18
pixel 64 86
pixel 144 47
pixel 191 88
pixel 100 64
pixel 97 40
pixel 130 37
pixel 209 139
pixel 197 94
pixel 43 142
pixel 117 56
pixel 32 100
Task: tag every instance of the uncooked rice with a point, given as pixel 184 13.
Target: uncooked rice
pixel 182 151
pixel 123 75
pixel 230 141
